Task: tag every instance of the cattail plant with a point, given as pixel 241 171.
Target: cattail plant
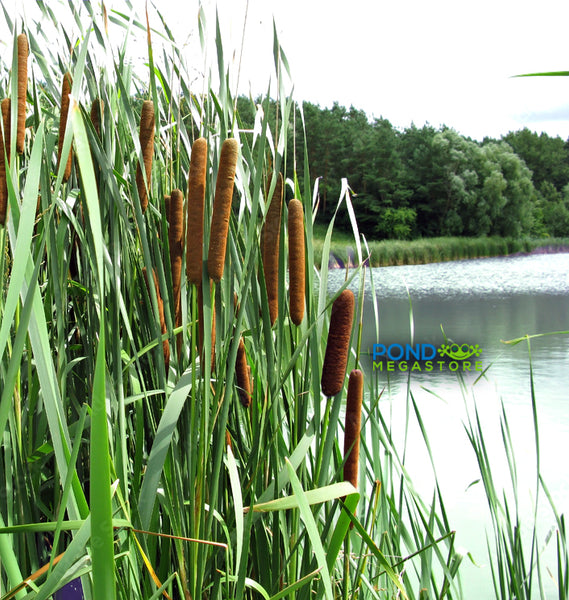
pixel 4 156
pixel 23 51
pixel 270 248
pixel 352 426
pixel 65 91
pixel 176 243
pixel 222 208
pixel 242 375
pixel 296 260
pixel 196 199
pixel 338 345
pixel 146 136
pixel 163 329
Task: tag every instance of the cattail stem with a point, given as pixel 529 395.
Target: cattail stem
pixel 65 91
pixel 196 199
pixel 163 329
pixel 23 51
pixel 146 136
pixel 352 426
pixel 222 208
pixel 176 243
pixel 201 328
pixel 242 375
pixel 338 345
pixel 270 248
pixel 296 260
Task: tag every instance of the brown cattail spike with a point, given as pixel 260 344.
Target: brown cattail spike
pixel 338 345
pixel 163 329
pixel 4 155
pixel 352 426
pixel 222 208
pixel 242 375
pixel 65 91
pixel 7 121
pixel 176 243
pixel 296 260
pixel 147 147
pixel 97 115
pixel 196 199
pixel 270 249
pixel 23 51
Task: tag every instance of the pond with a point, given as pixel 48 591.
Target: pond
pixel 477 304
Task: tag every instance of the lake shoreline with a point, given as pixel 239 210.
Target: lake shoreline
pixel 343 256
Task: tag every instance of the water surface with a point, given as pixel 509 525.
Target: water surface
pixel 484 302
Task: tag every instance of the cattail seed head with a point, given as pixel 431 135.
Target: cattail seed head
pixel 176 243
pixel 222 208
pixel 146 136
pixel 296 260
pixel 352 426
pixel 196 199
pixel 23 51
pixel 7 121
pixel 242 375
pixel 270 248
pixel 338 345
pixel 97 114
pixel 4 147
pixel 65 91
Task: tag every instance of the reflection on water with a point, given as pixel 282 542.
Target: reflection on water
pixel 480 302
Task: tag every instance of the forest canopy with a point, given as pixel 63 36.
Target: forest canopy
pixel 426 182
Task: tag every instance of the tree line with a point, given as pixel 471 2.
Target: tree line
pixel 427 181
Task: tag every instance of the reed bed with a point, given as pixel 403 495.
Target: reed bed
pixel 388 253
pixel 143 477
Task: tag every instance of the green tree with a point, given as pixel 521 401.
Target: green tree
pixel 546 157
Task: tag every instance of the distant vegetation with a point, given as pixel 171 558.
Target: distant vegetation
pixel 427 182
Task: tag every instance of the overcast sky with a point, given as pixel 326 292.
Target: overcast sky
pixel 441 61
pixel 437 61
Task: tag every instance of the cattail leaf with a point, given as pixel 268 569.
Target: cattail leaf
pixel 315 496
pixel 237 503
pixel 23 238
pixel 160 447
pixel 73 552
pixel 312 530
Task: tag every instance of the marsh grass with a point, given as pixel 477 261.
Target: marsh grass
pixel 387 253
pixel 143 474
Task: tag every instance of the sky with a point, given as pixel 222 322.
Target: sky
pixel 441 62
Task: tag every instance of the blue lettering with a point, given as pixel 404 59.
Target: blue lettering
pixel 390 351
pixel 414 352
pixel 378 351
